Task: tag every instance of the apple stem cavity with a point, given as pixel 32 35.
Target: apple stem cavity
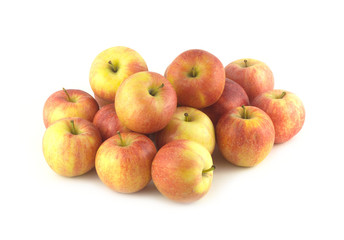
pixel 121 139
pixel 209 169
pixel 244 114
pixel 193 72
pixel 282 95
pixel 68 97
pixel 113 66
pixel 186 117
pixel 154 91
pixel 245 61
pixel 73 127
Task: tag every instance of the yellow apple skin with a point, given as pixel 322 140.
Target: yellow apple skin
pixel 255 76
pixel 178 170
pixel 141 111
pixel 106 77
pixel 71 154
pixel 245 142
pixel 197 127
pixel 79 104
pixel 125 166
pixel 286 112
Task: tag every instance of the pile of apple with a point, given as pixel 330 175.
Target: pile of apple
pixel 135 112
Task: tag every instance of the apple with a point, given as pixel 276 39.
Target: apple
pixel 107 122
pixel 191 124
pixel 285 110
pixel 124 161
pixel 70 146
pixel 110 68
pixel 253 75
pixel 198 78
pixel 145 102
pixel 69 103
pixel 233 96
pixel 245 135
pixel 102 102
pixel 182 170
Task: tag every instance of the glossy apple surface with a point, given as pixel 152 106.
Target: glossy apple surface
pixel 69 103
pixel 286 111
pixel 124 163
pixel 107 122
pixel 145 102
pixel 253 75
pixel 182 170
pixel 191 124
pixel 245 136
pixel 110 68
pixel 70 146
pixel 198 78
pixel 233 96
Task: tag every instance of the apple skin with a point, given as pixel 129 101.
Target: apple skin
pixel 245 142
pixel 198 128
pixel 107 122
pixel 58 106
pixel 138 109
pixel 102 102
pixel 177 170
pixel 104 80
pixel 255 79
pixel 287 113
pixel 233 96
pixel 127 168
pixel 206 87
pixel 71 154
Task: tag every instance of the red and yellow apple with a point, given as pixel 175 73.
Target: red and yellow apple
pixel 110 68
pixel 191 124
pixel 69 103
pixel 145 102
pixel 70 146
pixel 198 78
pixel 233 96
pixel 107 122
pixel 182 170
pixel 124 161
pixel 253 75
pixel 245 135
pixel 286 111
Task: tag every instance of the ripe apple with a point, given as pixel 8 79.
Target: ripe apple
pixel 285 110
pixel 145 102
pixel 69 103
pixel 70 146
pixel 182 170
pixel 245 135
pixel 191 124
pixel 198 78
pixel 233 96
pixel 253 75
pixel 102 102
pixel 110 68
pixel 107 122
pixel 124 162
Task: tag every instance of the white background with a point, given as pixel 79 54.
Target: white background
pixel 295 193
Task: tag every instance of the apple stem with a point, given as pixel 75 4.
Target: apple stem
pixel 209 169
pixel 282 95
pixel 120 137
pixel 154 91
pixel 186 117
pixel 245 61
pixel 73 127
pixel 114 67
pixel 68 97
pixel 193 72
pixel 244 115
